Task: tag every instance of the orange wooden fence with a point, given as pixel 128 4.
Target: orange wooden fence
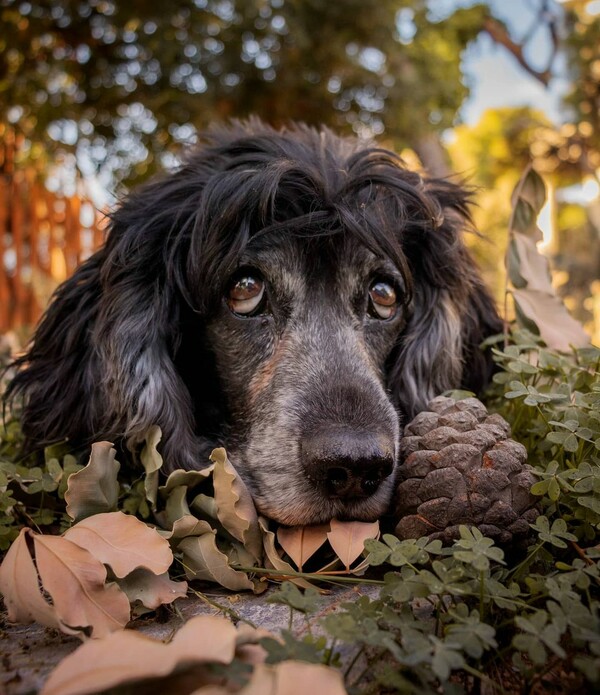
pixel 43 237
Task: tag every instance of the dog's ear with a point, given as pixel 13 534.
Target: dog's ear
pixel 452 311
pixel 101 363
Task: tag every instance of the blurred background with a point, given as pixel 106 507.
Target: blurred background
pixel 97 95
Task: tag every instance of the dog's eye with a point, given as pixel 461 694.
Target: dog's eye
pixel 245 294
pixel 383 302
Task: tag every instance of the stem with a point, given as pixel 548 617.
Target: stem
pixel 331 652
pixel 310 575
pixel 528 559
pixel 225 609
pixel 477 674
pixel 353 662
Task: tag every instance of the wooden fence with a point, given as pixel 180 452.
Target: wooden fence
pixel 44 236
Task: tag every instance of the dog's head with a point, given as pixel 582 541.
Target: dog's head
pixel 290 294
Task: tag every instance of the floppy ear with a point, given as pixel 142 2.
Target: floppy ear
pixel 452 311
pixel 101 364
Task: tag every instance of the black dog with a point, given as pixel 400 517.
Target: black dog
pixel 290 294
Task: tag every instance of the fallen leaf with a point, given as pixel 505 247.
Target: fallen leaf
pixel 176 506
pixel 302 542
pixel 347 538
pixel 75 580
pixel 188 478
pixel 187 525
pixel 128 656
pixel 151 589
pixel 203 560
pixel 557 328
pixel 152 462
pixel 19 584
pixel 122 542
pixel 94 489
pixel 235 508
pixel 274 560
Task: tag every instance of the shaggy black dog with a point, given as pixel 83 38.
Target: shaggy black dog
pixel 290 294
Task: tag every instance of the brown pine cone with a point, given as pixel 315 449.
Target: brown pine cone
pixel 459 466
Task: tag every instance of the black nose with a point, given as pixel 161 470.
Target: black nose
pixel 347 465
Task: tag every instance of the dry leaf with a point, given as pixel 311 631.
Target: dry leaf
pixel 302 542
pixel 127 656
pixel 177 506
pixel 75 580
pixel 20 586
pixel 122 542
pixel 187 478
pixel 235 508
pixel 273 559
pixel 151 589
pixel 94 489
pixel 557 328
pixel 187 525
pixel 152 462
pixel 203 560
pixel 347 538
pixel 533 267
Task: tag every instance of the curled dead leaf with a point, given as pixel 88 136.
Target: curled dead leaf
pixel 202 559
pixel 152 462
pixel 94 489
pixel 122 542
pixel 273 560
pixel 235 508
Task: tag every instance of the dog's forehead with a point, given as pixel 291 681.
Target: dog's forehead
pixel 294 260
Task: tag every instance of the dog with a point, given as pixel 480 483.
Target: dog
pixel 293 295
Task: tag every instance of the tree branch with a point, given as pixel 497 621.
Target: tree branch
pixel 500 35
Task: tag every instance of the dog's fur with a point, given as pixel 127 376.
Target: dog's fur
pixel 143 334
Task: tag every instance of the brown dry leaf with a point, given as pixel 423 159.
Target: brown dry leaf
pixel 75 580
pixel 122 542
pixel 347 538
pixel 302 542
pixel 19 585
pixel 235 508
pixel 94 489
pixel 152 462
pixel 286 678
pixel 557 328
pixel 187 478
pixel 533 267
pixel 274 560
pixel 151 589
pixel 203 560
pixel 127 657
pixel 187 525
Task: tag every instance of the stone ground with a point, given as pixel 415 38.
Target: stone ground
pixel 29 652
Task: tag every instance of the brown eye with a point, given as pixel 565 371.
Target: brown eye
pixel 383 300
pixel 245 294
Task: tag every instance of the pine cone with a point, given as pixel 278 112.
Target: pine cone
pixel 460 467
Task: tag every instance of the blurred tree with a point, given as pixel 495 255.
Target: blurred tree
pixel 122 80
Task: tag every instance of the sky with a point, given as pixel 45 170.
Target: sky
pixel 496 78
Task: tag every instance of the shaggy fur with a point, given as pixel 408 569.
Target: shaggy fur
pixel 310 391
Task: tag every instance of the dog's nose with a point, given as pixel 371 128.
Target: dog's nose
pixel 347 465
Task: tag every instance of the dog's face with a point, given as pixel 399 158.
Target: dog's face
pixel 301 340
pixel 290 295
